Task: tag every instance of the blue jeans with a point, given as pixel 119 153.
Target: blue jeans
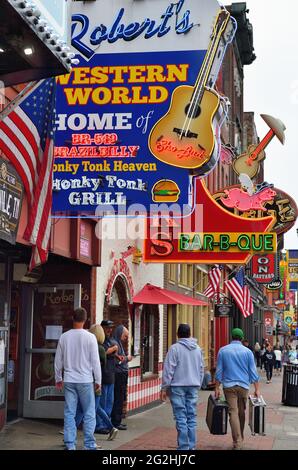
pixel 106 404
pixel 184 403
pixel 83 393
pixel 101 416
pixel 105 422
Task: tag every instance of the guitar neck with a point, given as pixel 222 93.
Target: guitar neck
pixel 262 145
pixel 210 56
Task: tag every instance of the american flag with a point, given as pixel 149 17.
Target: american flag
pixel 26 138
pixel 240 292
pixel 214 280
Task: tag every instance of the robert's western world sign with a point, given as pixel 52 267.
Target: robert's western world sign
pixel 133 117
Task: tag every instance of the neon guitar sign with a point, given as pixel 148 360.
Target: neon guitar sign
pixel 249 162
pixel 184 137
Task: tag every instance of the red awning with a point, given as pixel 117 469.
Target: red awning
pixel 157 295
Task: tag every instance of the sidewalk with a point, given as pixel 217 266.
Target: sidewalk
pixel 155 429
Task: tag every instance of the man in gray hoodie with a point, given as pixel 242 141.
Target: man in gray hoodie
pixel 183 372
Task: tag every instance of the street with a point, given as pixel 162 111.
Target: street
pixel 154 429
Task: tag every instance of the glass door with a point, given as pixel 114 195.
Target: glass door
pixel 49 314
pixel 147 341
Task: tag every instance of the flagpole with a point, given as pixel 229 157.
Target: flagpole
pixel 206 275
pixel 14 103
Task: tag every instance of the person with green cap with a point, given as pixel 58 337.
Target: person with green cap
pixel 236 370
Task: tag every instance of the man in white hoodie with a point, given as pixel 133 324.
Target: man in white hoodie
pixel 183 373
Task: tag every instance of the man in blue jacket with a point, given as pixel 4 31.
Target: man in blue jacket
pixel 183 373
pixel 236 370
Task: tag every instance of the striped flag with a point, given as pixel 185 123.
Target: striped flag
pixel 26 139
pixel 240 292
pixel 214 281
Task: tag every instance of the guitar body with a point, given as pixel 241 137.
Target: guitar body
pixel 184 141
pixel 241 164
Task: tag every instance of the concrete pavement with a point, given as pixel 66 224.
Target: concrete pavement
pixel 154 429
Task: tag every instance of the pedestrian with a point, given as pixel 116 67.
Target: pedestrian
pixel 236 370
pixel 257 351
pixel 277 364
pixel 107 391
pixel 207 380
pixel 120 335
pixel 245 343
pixel 292 356
pixel 77 356
pixel 262 352
pixel 269 360
pixel 183 373
pixel 101 415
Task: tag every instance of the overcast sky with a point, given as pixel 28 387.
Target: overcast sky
pixel 271 87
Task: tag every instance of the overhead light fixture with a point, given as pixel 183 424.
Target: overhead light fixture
pixel 29 10
pixel 1 50
pixel 28 51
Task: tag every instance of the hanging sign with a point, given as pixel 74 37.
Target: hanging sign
pixel 268 201
pixel 288 317
pixel 134 118
pixel 263 268
pixel 268 323
pixel 11 196
pixel 274 285
pixel 292 269
pixel 223 310
pixel 249 162
pixel 209 235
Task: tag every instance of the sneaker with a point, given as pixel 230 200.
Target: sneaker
pixel 102 431
pixel 268 382
pixel 113 433
pixel 122 427
pixel 237 446
pixel 61 432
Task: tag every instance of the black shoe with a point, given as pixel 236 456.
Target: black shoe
pixel 102 431
pixel 122 427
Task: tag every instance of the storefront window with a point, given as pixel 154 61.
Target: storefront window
pixel 149 340
pixel 172 272
pixel 136 344
pixel 114 301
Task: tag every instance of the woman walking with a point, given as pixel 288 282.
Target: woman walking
pixel 269 360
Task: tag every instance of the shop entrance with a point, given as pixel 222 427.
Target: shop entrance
pixel 148 341
pixel 48 314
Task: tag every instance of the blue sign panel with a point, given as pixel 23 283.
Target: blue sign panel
pixel 104 117
pixel 138 117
